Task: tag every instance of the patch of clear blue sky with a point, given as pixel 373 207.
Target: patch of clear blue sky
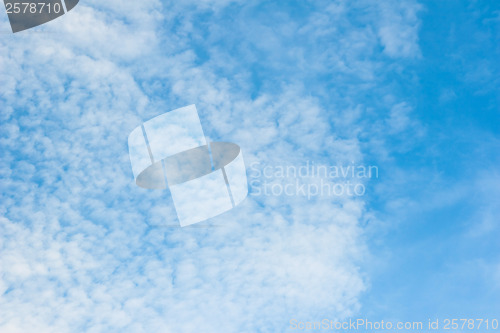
pixel 437 268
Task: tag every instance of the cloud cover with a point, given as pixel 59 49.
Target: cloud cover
pixel 83 249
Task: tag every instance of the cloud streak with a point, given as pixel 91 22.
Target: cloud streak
pixel 83 249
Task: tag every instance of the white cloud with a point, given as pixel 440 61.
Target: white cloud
pixel 399 117
pixel 79 250
pixel 398 28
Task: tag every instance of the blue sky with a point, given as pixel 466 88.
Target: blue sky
pixel 409 86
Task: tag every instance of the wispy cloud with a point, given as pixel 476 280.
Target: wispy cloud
pixel 83 249
pixel 78 249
